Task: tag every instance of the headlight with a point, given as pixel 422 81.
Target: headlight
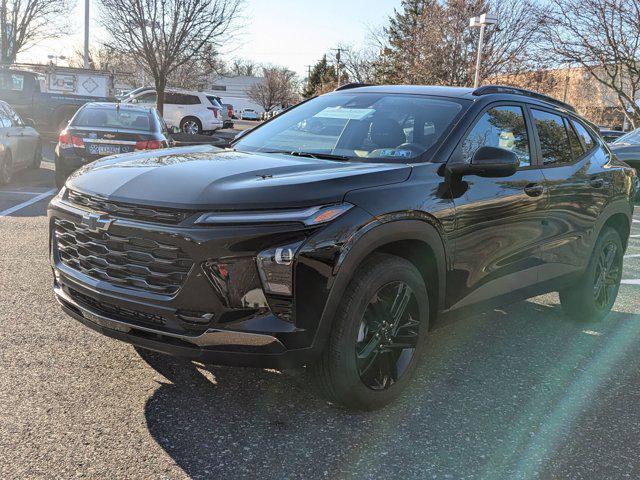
pixel 307 216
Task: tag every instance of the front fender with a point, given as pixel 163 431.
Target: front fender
pixel 326 265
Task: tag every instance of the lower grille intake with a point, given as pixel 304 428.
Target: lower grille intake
pixel 130 262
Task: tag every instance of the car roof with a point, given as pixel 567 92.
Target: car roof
pixel 121 106
pixel 487 93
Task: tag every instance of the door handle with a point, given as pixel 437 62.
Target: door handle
pixel 597 182
pixel 534 189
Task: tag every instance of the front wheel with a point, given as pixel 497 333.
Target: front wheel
pixel 591 299
pixel 377 337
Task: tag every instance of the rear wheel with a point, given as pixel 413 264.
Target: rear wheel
pixel 6 168
pixel 377 337
pixel 37 157
pixel 191 125
pixel 591 299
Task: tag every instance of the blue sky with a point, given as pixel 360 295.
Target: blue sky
pixel 291 33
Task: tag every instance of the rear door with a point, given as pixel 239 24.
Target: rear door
pixel 499 221
pixel 572 162
pixel 12 134
pixel 27 137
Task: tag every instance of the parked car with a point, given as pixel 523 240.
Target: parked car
pixel 101 129
pixel 339 251
pixel 610 135
pixel 191 111
pixel 249 114
pixel 227 120
pixel 20 144
pixel 627 148
pixel 50 112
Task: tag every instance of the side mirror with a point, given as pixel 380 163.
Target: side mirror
pixel 29 122
pixel 489 162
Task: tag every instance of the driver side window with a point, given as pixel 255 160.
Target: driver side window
pixel 502 127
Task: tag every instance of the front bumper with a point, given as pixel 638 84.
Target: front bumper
pixel 238 333
pixel 212 346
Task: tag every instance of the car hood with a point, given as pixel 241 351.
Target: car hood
pixel 208 177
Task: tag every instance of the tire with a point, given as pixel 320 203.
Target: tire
pixel 591 299
pixel 61 175
pixel 191 125
pixel 37 158
pixel 345 373
pixel 6 168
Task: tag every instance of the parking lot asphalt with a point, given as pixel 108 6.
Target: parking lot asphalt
pixel 517 392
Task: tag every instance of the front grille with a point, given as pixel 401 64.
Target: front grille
pixel 131 261
pixel 127 210
pixel 114 311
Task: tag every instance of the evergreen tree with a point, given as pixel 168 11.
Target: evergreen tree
pixel 322 79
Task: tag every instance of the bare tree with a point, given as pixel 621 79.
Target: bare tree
pixel 603 38
pixel 357 63
pixel 242 67
pixel 277 88
pixel 167 34
pixel 23 23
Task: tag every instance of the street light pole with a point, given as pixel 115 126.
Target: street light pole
pixel 482 21
pixel 86 33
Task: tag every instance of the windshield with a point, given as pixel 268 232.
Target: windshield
pixel 632 138
pixel 358 126
pixel 101 117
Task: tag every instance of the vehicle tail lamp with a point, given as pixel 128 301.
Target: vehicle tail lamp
pixel 148 144
pixel 67 140
pixel 215 111
pixel 275 266
pixel 311 216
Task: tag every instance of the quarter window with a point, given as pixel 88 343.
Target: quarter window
pixel 502 127
pixel 574 141
pixel 585 137
pixel 553 138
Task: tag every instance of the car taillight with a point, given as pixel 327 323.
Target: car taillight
pixel 148 144
pixel 66 140
pixel 215 111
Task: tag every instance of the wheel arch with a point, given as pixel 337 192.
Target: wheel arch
pixel 617 215
pixel 418 241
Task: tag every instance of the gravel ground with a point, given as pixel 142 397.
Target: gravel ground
pixel 515 393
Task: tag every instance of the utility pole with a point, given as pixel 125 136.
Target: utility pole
pixel 338 64
pixel 4 41
pixel 86 33
pixel 482 21
pixel 308 75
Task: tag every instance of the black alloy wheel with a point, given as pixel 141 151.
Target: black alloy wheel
pixel 607 275
pixel 378 335
pixel 591 297
pixel 387 336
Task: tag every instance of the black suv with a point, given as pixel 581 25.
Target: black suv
pixel 335 234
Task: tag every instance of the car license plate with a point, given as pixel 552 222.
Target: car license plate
pixel 104 149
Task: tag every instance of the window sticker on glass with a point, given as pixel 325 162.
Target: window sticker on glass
pixel 346 113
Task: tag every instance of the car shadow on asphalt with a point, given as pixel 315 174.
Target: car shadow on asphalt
pixel 518 392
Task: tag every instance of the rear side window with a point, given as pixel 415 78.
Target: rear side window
pixel 553 138
pixel 585 137
pixel 502 127
pixel 5 121
pixel 181 99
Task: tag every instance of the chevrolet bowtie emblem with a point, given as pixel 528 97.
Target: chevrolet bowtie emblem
pixel 96 222
pixel 109 135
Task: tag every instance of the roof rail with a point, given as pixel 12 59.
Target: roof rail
pixel 487 89
pixel 348 86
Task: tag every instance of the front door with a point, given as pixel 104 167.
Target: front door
pixel 500 222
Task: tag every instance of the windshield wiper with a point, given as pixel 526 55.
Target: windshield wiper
pixel 322 156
